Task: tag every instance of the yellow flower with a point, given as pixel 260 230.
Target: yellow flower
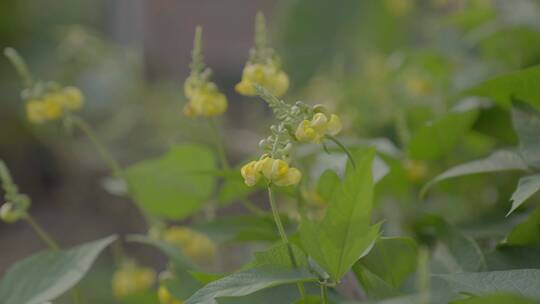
pixel 131 279
pixel 193 244
pixel 317 128
pixel 276 171
pixel 73 98
pixel 165 296
pixel 266 75
pixel 250 174
pixel 204 100
pixel 35 111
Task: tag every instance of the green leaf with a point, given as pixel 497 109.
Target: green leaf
pixel 523 85
pixel 464 251
pixel 327 184
pixel 527 186
pixel 171 251
pixel 391 260
pixel 496 162
pixel 278 255
pixel 45 276
pixel 249 281
pixel 526 233
pixel 345 233
pixel 524 282
pixel 173 186
pixel 436 138
pixel 279 294
pixel 497 299
pixel 526 121
pixel 242 228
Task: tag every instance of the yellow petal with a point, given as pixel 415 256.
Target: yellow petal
pixel 292 178
pixel 334 125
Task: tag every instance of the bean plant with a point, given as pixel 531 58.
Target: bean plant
pixel 327 216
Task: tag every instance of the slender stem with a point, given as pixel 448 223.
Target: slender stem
pixel 283 235
pixel 42 233
pixel 20 65
pixel 342 147
pixel 102 150
pixel 219 144
pixel 225 163
pixel 324 294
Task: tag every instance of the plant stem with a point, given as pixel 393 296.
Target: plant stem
pixel 324 294
pixel 102 150
pixel 219 144
pixel 342 147
pixel 283 235
pixel 42 233
pixel 20 65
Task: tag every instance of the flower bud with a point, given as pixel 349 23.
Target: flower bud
pixel 334 125
pixel 73 98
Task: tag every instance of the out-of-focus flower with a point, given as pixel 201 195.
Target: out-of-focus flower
pixel 165 296
pixel 399 8
pixel 131 279
pixel 9 213
pixel 205 100
pixel 193 244
pixel 416 170
pixel 250 173
pixel 266 75
pixel 53 105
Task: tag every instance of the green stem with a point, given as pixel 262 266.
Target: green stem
pixel 324 294
pixel 102 150
pixel 283 235
pixel 219 144
pixel 342 147
pixel 42 233
pixel 225 163
pixel 20 66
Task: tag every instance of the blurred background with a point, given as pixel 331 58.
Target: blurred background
pixel 386 66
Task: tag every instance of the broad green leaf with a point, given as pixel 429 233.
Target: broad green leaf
pixel 496 162
pixel 526 121
pixel 527 186
pixel 513 257
pixel 173 186
pixel 497 299
pixel 280 294
pixel 242 228
pixel 327 184
pixel 249 281
pixel 524 282
pixel 45 276
pixel 438 137
pixel 279 255
pixel 182 285
pixel 391 261
pixel 171 251
pixel 345 234
pixel 526 233
pixel 523 85
pixel 464 251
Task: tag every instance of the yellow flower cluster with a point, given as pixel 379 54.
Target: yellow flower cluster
pixel 276 171
pixel 53 105
pixel 165 296
pixel 315 129
pixel 205 100
pixel 193 244
pixel 267 75
pixel 131 279
pixel 416 170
